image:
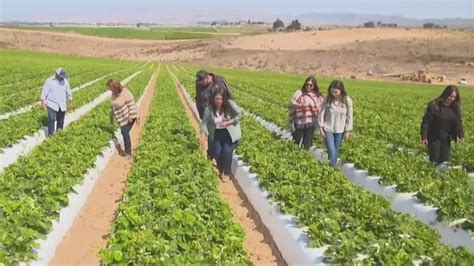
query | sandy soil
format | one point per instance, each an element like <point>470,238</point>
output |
<point>334,38</point>
<point>258,241</point>
<point>363,53</point>
<point>76,44</point>
<point>342,52</point>
<point>91,228</point>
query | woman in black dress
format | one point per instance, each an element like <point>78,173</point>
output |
<point>441,124</point>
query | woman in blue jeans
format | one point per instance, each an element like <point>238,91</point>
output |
<point>335,120</point>
<point>221,124</point>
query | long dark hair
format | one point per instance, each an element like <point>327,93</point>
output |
<point>447,92</point>
<point>456,104</point>
<point>337,84</point>
<point>226,109</point>
<point>315,88</point>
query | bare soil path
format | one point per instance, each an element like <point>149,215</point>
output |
<point>258,241</point>
<point>91,228</point>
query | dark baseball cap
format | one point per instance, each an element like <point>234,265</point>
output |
<point>61,72</point>
<point>202,74</point>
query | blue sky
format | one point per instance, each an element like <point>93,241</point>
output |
<point>124,11</point>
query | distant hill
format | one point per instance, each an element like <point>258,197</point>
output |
<point>355,19</point>
<point>313,18</point>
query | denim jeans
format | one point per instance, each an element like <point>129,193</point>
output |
<point>223,149</point>
<point>55,116</point>
<point>126,137</point>
<point>210,149</point>
<point>333,143</point>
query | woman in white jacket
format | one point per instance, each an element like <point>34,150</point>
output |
<point>336,119</point>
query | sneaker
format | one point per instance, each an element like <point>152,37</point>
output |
<point>225,178</point>
<point>442,167</point>
<point>128,157</point>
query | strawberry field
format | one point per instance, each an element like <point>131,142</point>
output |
<point>36,186</point>
<point>386,138</point>
<point>171,210</point>
<point>385,142</point>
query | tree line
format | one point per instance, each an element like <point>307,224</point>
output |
<point>279,25</point>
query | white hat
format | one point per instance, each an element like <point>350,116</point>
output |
<point>61,72</point>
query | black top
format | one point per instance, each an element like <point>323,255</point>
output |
<point>203,93</point>
<point>442,122</point>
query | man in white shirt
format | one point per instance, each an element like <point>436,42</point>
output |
<point>55,93</point>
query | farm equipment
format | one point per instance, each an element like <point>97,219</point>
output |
<point>423,77</point>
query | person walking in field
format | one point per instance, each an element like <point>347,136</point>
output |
<point>441,124</point>
<point>54,95</point>
<point>336,119</point>
<point>305,107</point>
<point>206,86</point>
<point>125,111</point>
<point>221,124</point>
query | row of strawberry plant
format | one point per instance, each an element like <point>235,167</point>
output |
<point>36,187</point>
<point>19,66</point>
<point>171,212</point>
<point>34,80</point>
<point>337,213</point>
<point>19,91</point>
<point>351,221</point>
<point>17,98</point>
<point>16,127</point>
<point>400,121</point>
<point>187,79</point>
<point>385,111</point>
<point>410,173</point>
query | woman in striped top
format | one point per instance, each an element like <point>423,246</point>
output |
<point>124,110</point>
<point>304,111</point>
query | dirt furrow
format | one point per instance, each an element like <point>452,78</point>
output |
<point>258,241</point>
<point>91,228</point>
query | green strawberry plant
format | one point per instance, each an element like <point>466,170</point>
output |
<point>171,211</point>
<point>23,74</point>
<point>335,212</point>
<point>376,126</point>
<point>36,187</point>
<point>18,126</point>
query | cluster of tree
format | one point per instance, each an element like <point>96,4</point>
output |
<point>430,25</point>
<point>142,25</point>
<point>380,24</point>
<point>369,24</point>
<point>255,22</point>
<point>225,23</point>
<point>279,25</point>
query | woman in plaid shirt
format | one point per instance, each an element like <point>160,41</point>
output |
<point>305,107</point>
